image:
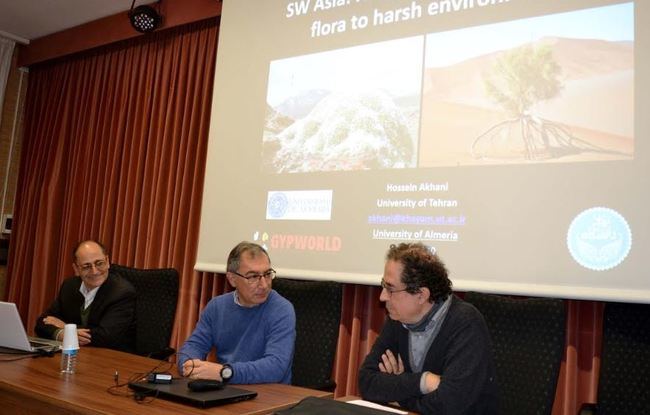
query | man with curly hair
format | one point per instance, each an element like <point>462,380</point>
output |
<point>434,353</point>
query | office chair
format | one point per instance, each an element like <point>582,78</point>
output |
<point>624,382</point>
<point>157,295</point>
<point>318,315</point>
<point>528,344</point>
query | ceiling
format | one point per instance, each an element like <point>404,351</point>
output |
<point>25,20</point>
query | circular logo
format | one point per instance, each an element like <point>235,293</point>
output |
<point>277,205</point>
<point>599,238</point>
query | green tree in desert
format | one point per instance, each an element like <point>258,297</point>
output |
<point>524,77</point>
<point>518,80</point>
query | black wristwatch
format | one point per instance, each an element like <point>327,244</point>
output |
<point>226,373</point>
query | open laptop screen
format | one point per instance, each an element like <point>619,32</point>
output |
<point>14,336</point>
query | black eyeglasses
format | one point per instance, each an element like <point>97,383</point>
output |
<point>390,289</point>
<point>255,278</point>
<point>100,265</point>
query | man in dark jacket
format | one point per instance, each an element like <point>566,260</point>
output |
<point>434,354</point>
<point>100,303</point>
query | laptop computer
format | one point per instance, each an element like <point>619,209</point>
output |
<point>14,336</point>
<point>178,391</point>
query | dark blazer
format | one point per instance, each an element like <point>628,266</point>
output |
<point>112,313</point>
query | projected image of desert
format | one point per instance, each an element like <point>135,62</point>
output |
<point>556,88</point>
<point>351,109</point>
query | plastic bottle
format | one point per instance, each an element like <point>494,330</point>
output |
<point>69,360</point>
<point>70,349</point>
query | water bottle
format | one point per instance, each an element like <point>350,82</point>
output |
<point>69,360</point>
<point>70,349</point>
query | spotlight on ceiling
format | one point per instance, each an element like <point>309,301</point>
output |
<point>144,18</point>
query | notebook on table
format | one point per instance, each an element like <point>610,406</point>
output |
<point>14,336</point>
<point>179,392</point>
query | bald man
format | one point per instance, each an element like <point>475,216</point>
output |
<point>99,302</point>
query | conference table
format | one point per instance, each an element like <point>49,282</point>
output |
<point>36,386</point>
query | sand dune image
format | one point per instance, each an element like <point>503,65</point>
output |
<point>590,119</point>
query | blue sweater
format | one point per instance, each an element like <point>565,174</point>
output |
<point>257,342</point>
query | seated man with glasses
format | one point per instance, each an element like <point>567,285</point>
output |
<point>100,303</point>
<point>434,354</point>
<point>252,328</point>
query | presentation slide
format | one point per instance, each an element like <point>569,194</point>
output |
<point>509,136</point>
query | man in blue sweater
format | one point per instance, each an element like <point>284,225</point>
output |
<point>252,328</point>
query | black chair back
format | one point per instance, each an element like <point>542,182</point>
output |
<point>528,338</point>
<point>157,295</point>
<point>318,315</point>
<point>624,384</point>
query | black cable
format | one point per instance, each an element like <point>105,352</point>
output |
<point>190,359</point>
<point>139,396</point>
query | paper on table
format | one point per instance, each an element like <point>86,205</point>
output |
<point>361,402</point>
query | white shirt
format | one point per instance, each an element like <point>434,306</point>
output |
<point>89,295</point>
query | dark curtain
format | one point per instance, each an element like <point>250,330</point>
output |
<point>114,149</point>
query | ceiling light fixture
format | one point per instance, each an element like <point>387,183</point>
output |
<point>144,18</point>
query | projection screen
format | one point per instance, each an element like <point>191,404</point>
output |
<point>510,136</point>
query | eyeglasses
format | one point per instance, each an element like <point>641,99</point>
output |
<point>255,278</point>
<point>99,265</point>
<point>390,289</point>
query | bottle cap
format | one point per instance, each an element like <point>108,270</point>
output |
<point>70,339</point>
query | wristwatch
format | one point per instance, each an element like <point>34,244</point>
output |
<point>226,373</point>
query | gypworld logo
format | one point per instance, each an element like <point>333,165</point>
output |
<point>261,238</point>
<point>298,242</point>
